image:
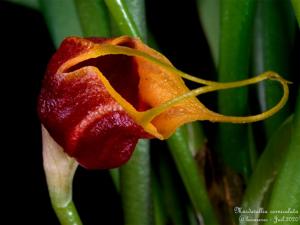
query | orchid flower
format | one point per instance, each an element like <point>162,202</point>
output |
<point>100,96</point>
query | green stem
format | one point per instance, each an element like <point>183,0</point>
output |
<point>135,175</point>
<point>135,187</point>
<point>115,175</point>
<point>122,17</point>
<point>67,215</point>
<point>193,181</point>
<point>175,206</point>
<point>59,170</point>
<point>159,209</point>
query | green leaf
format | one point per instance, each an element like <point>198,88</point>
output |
<point>33,4</point>
<point>123,18</point>
<point>260,184</point>
<point>209,13</point>
<point>234,141</point>
<point>94,18</point>
<point>61,18</point>
<point>286,191</point>
<point>273,32</point>
<point>296,5</point>
<point>137,11</point>
<point>194,135</point>
<point>75,18</point>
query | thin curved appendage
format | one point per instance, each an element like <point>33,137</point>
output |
<point>107,49</point>
<point>209,86</point>
<point>152,113</point>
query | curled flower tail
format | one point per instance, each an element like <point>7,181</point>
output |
<point>99,96</point>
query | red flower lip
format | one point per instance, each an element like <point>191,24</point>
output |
<point>99,96</point>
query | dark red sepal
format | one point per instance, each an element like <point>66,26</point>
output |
<point>79,113</point>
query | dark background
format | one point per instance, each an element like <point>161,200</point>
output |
<point>25,50</point>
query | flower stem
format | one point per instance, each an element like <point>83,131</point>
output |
<point>135,186</point>
<point>174,202</point>
<point>135,176</point>
<point>192,180</point>
<point>159,208</point>
<point>59,170</point>
<point>67,215</point>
